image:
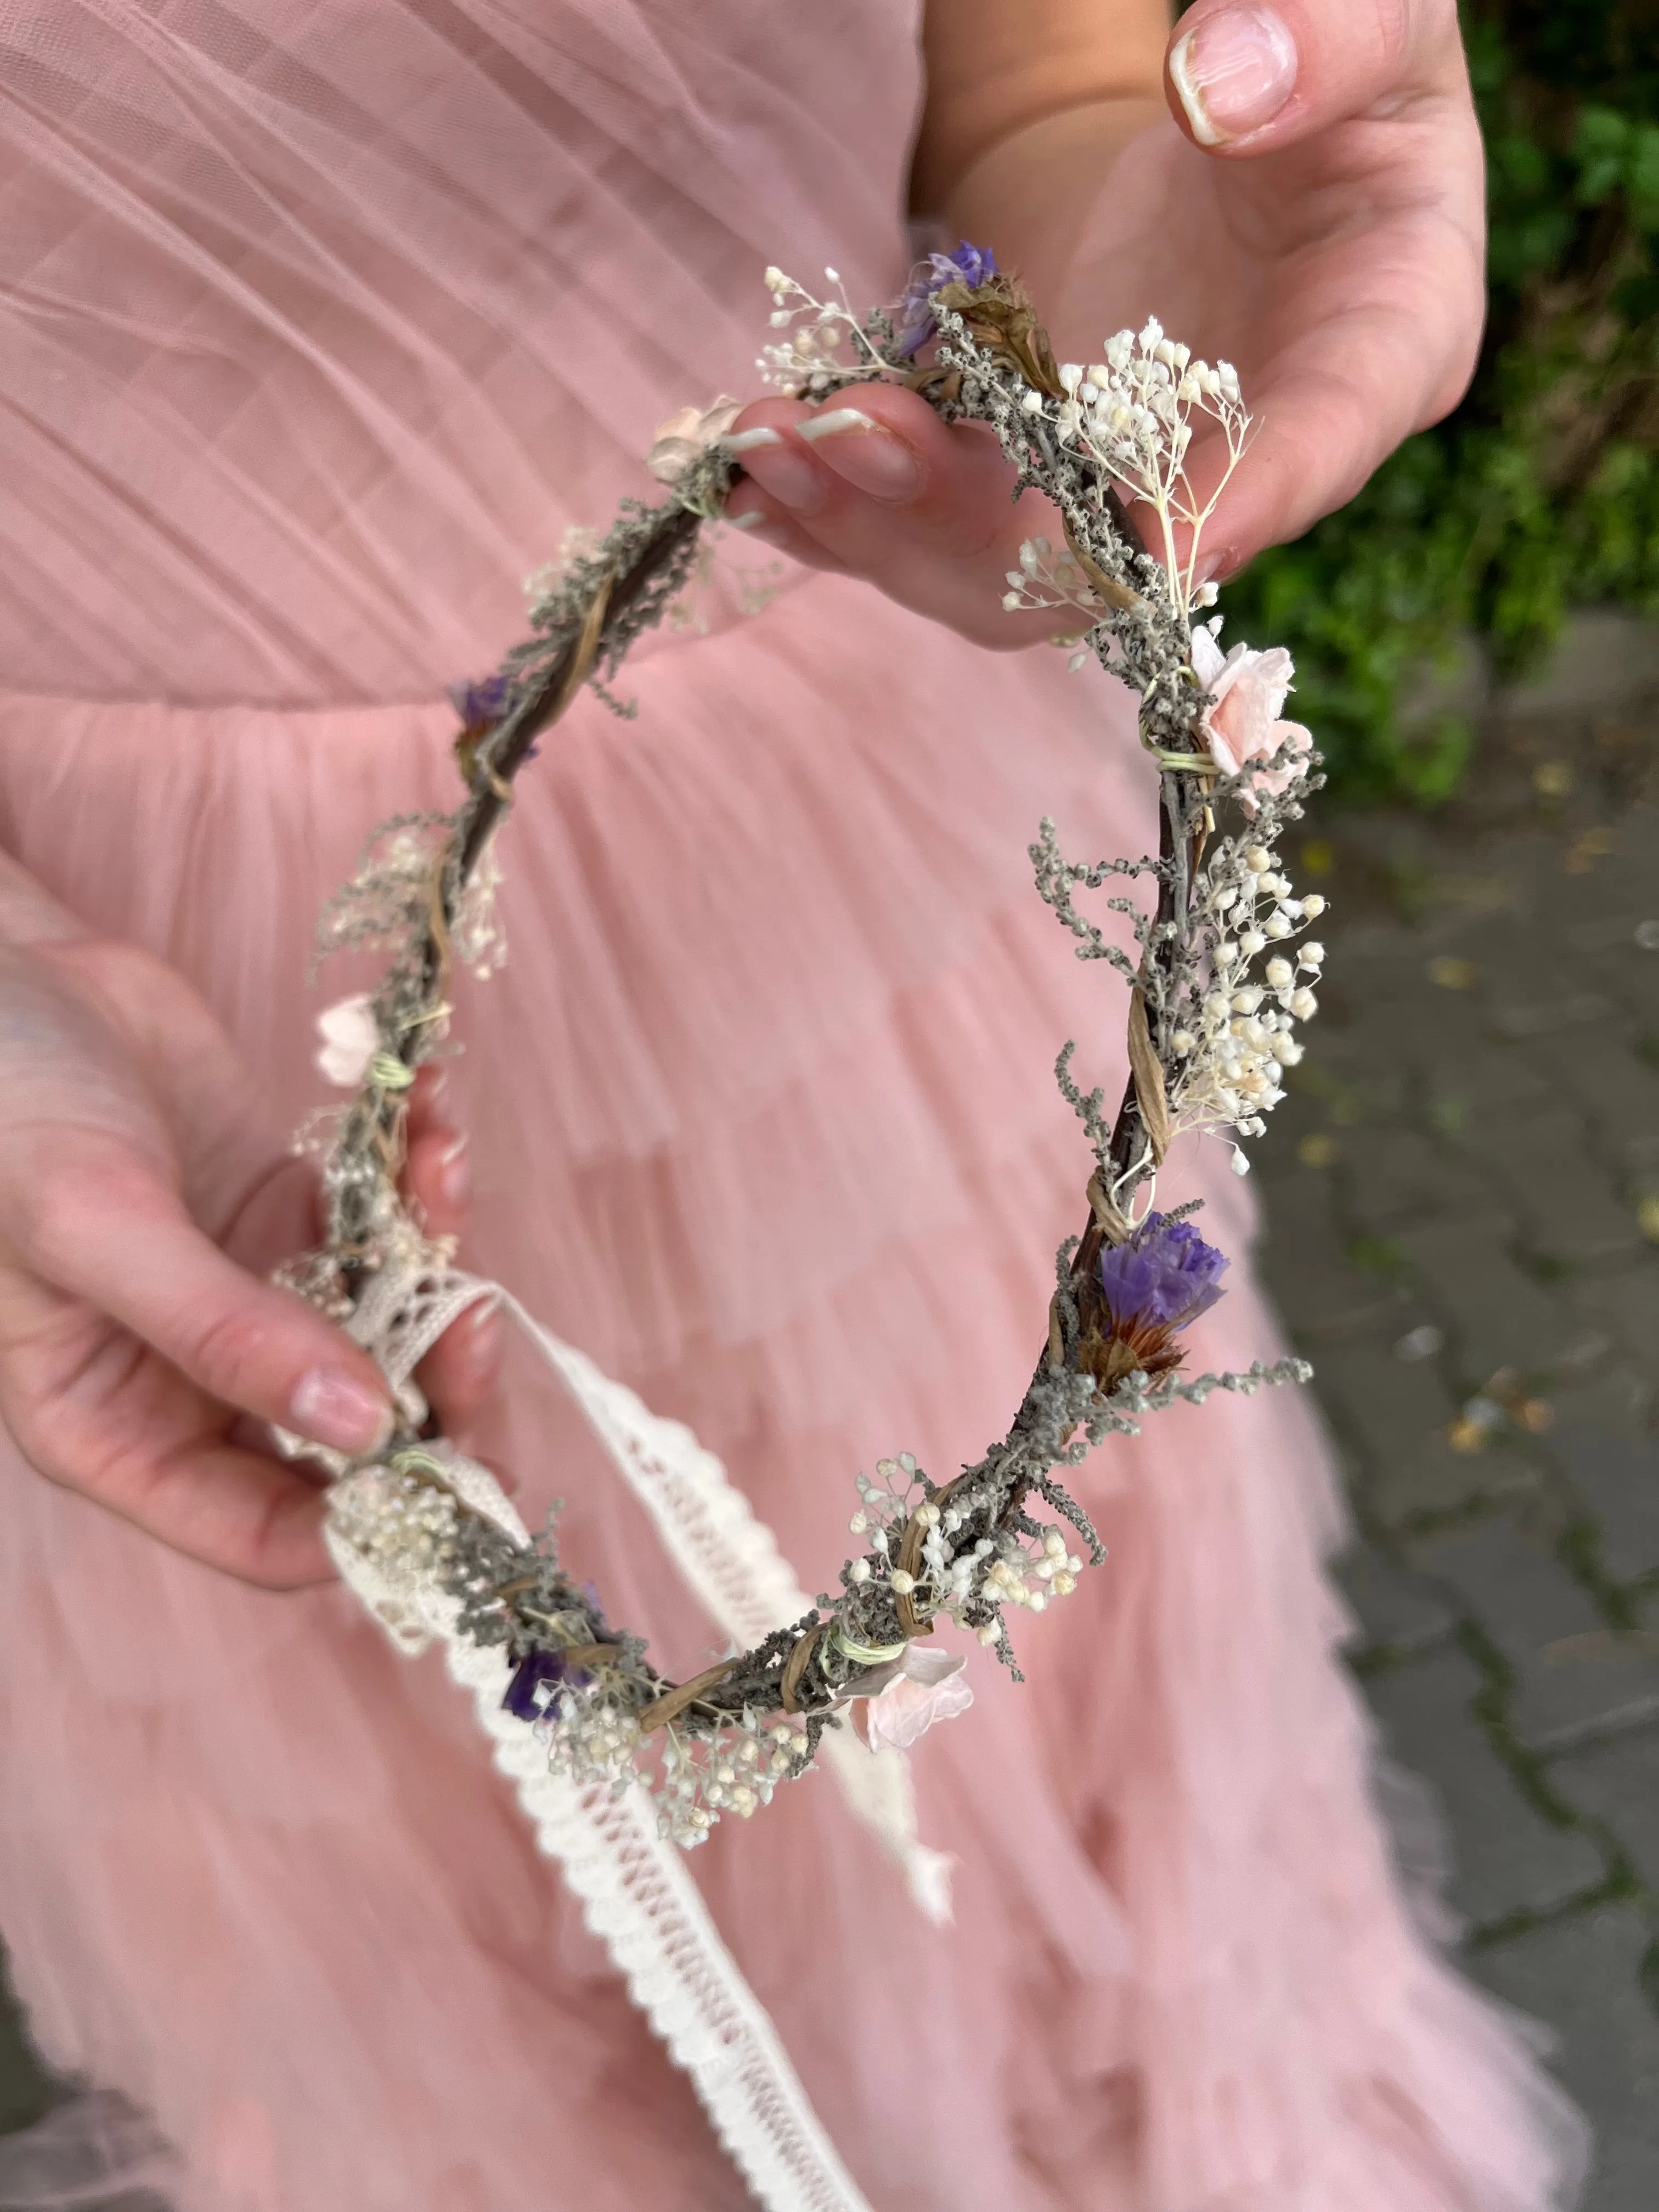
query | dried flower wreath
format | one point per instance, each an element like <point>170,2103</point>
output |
<point>1216,985</point>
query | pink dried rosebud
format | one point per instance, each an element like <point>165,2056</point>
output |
<point>688,432</point>
<point>351,1037</point>
<point>1243,724</point>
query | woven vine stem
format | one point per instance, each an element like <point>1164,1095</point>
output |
<point>494,765</point>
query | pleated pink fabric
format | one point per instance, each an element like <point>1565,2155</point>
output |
<point>322,320</point>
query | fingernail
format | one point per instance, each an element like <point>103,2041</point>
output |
<point>334,1408</point>
<point>481,1349</point>
<point>753,520</point>
<point>785,472</point>
<point>864,453</point>
<point>747,440</point>
<point>1233,73</point>
<point>764,530</point>
<point>455,1172</point>
<point>833,421</point>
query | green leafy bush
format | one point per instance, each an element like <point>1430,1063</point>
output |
<point>1542,491</point>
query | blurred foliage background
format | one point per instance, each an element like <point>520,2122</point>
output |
<point>1541,492</point>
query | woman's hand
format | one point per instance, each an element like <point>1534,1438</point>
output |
<point>143,1198</point>
<point>1309,206</point>
<point>1320,220</point>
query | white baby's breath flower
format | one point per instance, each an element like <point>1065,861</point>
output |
<point>687,432</point>
<point>1045,578</point>
<point>925,1690</point>
<point>1134,414</point>
<point>350,1038</point>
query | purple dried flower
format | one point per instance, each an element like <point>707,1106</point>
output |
<point>532,1670</point>
<point>482,703</point>
<point>1143,1294</point>
<point>1164,1278</point>
<point>972,265</point>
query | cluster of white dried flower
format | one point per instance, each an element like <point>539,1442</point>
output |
<point>398,1522</point>
<point>593,1738</point>
<point>735,1772</point>
<point>1238,1035</point>
<point>592,1735</point>
<point>1133,413</point>
<point>1045,581</point>
<point>883,1510</point>
<point>1008,1568</point>
<point>808,360</point>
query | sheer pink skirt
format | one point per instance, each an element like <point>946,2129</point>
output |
<point>762,1118</point>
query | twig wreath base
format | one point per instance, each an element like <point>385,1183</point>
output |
<point>1221,974</point>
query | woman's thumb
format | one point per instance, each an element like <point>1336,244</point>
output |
<point>1246,77</point>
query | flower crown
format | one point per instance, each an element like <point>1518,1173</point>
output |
<point>1221,974</point>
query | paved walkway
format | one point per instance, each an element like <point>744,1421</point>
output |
<point>1462,1199</point>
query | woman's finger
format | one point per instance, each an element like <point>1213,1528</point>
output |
<point>248,1516</point>
<point>460,1373</point>
<point>280,1214</point>
<point>1319,440</point>
<point>463,1367</point>
<point>438,1176</point>
<point>101,1224</point>
<point>1245,77</point>
<point>1387,343</point>
<point>97,1411</point>
<point>877,485</point>
<point>429,1102</point>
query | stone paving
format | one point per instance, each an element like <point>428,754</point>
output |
<point>1462,1229</point>
<point>1463,1207</point>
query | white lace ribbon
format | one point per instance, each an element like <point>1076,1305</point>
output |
<point>730,1559</point>
<point>635,1890</point>
<point>727,1556</point>
<point>636,1894</point>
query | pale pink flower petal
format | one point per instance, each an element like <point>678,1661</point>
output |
<point>1244,725</point>
<point>687,432</point>
<point>350,1040</point>
<point>924,1691</point>
<point>1208,660</point>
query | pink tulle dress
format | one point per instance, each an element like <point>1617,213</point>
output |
<point>322,323</point>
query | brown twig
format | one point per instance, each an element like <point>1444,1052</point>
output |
<point>674,1702</point>
<point>494,763</point>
